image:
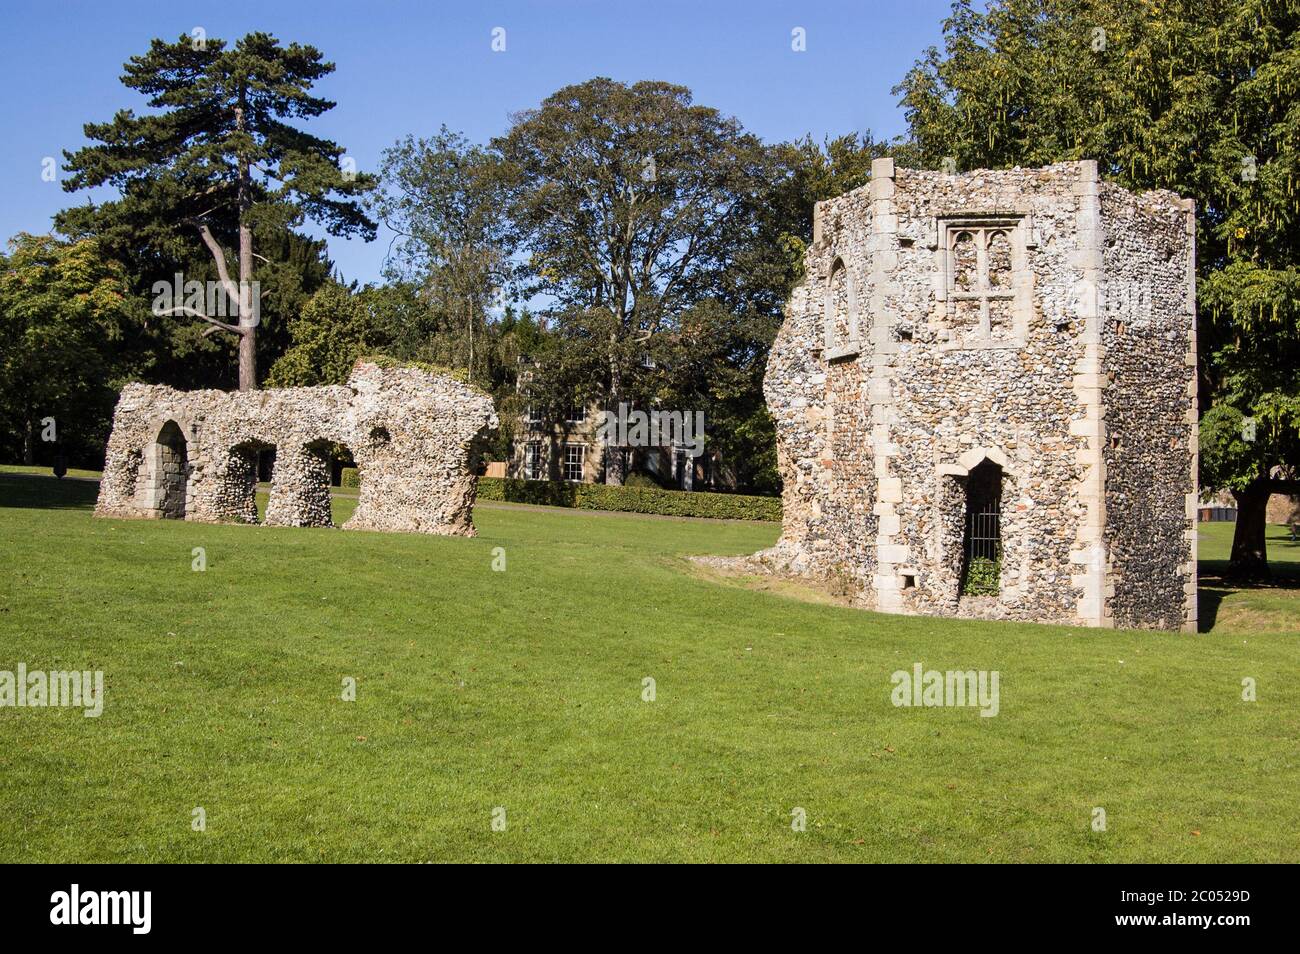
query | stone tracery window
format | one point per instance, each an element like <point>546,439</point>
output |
<point>984,261</point>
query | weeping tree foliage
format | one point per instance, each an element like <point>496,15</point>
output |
<point>218,156</point>
<point>1201,97</point>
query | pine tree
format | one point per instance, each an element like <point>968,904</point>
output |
<point>218,154</point>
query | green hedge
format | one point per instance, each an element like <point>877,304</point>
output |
<point>638,479</point>
<point>673,503</point>
<point>351,477</point>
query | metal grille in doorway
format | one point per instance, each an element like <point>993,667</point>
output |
<point>984,532</point>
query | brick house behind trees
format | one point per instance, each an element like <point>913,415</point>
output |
<point>570,449</point>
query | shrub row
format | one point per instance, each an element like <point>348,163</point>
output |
<point>673,503</point>
<point>351,477</point>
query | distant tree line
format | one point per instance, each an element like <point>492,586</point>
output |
<point>620,242</point>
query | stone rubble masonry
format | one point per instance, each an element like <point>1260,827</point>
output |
<point>1079,383</point>
<point>193,455</point>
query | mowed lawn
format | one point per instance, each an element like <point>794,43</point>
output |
<point>522,690</point>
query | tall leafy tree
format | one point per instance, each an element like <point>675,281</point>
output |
<point>443,199</point>
<point>628,201</point>
<point>219,155</point>
<point>1196,96</point>
<point>63,309</point>
<point>334,329</point>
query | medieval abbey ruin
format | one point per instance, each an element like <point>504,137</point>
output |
<point>985,399</point>
<point>194,455</point>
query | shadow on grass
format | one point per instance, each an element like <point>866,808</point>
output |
<point>31,492</point>
<point>1215,584</point>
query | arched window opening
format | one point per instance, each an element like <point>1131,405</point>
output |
<point>982,539</point>
<point>839,316</point>
<point>965,258</point>
<point>838,290</point>
<point>249,463</point>
<point>999,260</point>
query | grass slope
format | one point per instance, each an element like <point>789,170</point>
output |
<point>523,689</point>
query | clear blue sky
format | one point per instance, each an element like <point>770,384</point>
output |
<point>407,67</point>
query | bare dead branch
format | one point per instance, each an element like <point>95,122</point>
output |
<point>218,256</point>
<point>195,313</point>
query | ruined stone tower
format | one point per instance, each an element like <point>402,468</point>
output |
<point>985,398</point>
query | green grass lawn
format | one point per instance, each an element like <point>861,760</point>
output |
<point>522,689</point>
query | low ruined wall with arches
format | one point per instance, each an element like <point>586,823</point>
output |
<point>196,455</point>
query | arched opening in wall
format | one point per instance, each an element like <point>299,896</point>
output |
<point>343,467</point>
<point>839,316</point>
<point>249,463</point>
<point>981,570</point>
<point>169,473</point>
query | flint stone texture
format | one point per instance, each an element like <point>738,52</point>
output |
<point>193,454</point>
<point>1039,322</point>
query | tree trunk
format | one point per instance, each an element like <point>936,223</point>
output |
<point>247,321</point>
<point>29,442</point>
<point>615,457</point>
<point>1249,560</point>
<point>615,466</point>
<point>248,360</point>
